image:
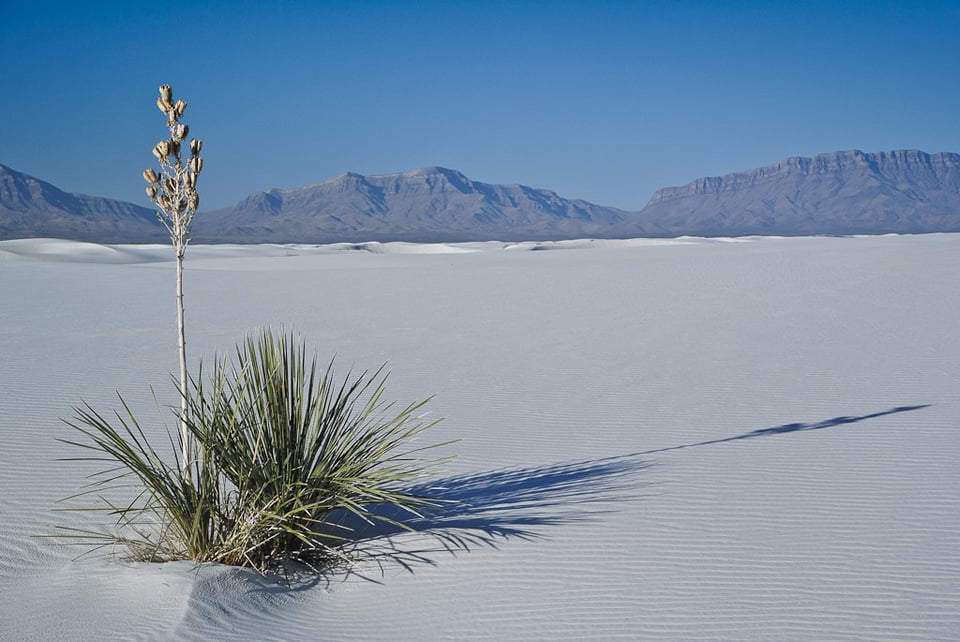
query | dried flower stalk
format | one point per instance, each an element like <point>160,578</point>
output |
<point>174,191</point>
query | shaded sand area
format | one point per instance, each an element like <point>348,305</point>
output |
<point>690,439</point>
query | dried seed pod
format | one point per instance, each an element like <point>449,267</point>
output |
<point>166,93</point>
<point>152,191</point>
<point>195,146</point>
<point>180,132</point>
<point>196,164</point>
<point>160,151</point>
<point>191,180</point>
<point>150,176</point>
<point>178,108</point>
<point>193,201</point>
<point>173,146</point>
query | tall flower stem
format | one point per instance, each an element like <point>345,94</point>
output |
<point>174,191</point>
<point>186,438</point>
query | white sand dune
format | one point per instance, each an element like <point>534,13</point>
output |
<point>696,439</point>
<point>76,251</point>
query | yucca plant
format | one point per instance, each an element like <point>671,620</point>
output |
<point>282,450</point>
<point>298,446</point>
<point>269,450</point>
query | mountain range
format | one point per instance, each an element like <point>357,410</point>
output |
<point>850,192</point>
<point>904,191</point>
<point>429,204</point>
<point>32,208</point>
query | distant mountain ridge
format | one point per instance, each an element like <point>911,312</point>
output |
<point>850,192</point>
<point>428,204</point>
<point>31,208</point>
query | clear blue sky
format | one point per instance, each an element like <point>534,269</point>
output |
<point>605,101</point>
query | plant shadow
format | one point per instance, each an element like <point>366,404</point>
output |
<point>790,428</point>
<point>485,509</point>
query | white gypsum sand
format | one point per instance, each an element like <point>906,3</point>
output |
<point>690,439</point>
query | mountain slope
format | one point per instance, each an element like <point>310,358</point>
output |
<point>851,192</point>
<point>429,204</point>
<point>31,208</point>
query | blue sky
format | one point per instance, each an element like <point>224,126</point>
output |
<point>600,100</point>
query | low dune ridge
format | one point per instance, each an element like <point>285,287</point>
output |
<point>743,438</point>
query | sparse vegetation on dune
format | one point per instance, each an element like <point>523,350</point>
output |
<point>269,448</point>
<point>281,446</point>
